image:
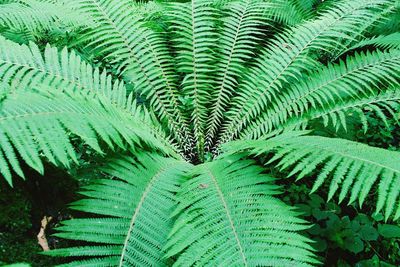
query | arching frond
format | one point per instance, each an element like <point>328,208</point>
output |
<point>193,25</point>
<point>383,41</point>
<point>290,12</point>
<point>24,66</point>
<point>352,168</point>
<point>36,16</point>
<point>237,39</point>
<point>132,213</point>
<point>228,216</point>
<point>140,54</point>
<point>382,104</point>
<point>360,75</point>
<point>39,123</point>
<point>288,57</point>
<point>364,30</point>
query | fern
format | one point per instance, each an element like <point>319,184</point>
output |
<point>36,16</point>
<point>383,41</point>
<point>181,80</point>
<point>358,76</point>
<point>291,12</point>
<point>133,213</point>
<point>194,26</point>
<point>39,122</point>
<point>288,57</point>
<point>68,74</point>
<point>238,38</point>
<point>335,114</point>
<point>351,166</point>
<point>140,55</point>
<point>211,227</point>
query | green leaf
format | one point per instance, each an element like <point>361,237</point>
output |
<point>389,230</point>
<point>369,233</point>
<point>355,245</point>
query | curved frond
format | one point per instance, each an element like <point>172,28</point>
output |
<point>141,55</point>
<point>290,12</point>
<point>237,41</point>
<point>288,56</point>
<point>382,41</point>
<point>132,213</point>
<point>352,168</point>
<point>228,216</point>
<point>361,75</point>
<point>39,123</point>
<point>193,25</point>
<point>24,66</point>
<point>36,16</point>
<point>381,104</point>
<point>374,19</point>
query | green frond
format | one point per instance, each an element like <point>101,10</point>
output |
<point>390,24</point>
<point>36,124</point>
<point>288,56</point>
<point>382,41</point>
<point>354,169</point>
<point>195,36</point>
<point>141,55</point>
<point>383,104</point>
<point>237,42</point>
<point>364,30</point>
<point>24,66</point>
<point>363,74</point>
<point>228,215</point>
<point>37,16</point>
<point>290,12</point>
<point>132,211</point>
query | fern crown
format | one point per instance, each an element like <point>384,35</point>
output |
<point>181,102</point>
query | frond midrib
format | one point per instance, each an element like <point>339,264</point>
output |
<point>136,213</point>
<point>229,217</point>
<point>218,104</point>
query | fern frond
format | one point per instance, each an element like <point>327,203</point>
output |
<point>352,168</point>
<point>288,57</point>
<point>132,213</point>
<point>290,12</point>
<point>193,25</point>
<point>228,216</point>
<point>39,123</point>
<point>237,41</point>
<point>365,29</point>
<point>383,41</point>
<point>381,104</point>
<point>358,76</point>
<point>24,66</point>
<point>36,16</point>
<point>140,54</point>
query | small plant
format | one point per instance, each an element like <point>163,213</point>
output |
<point>171,107</point>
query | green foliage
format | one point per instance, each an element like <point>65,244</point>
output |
<point>345,235</point>
<point>353,167</point>
<point>182,80</point>
<point>129,230</point>
<point>37,16</point>
<point>213,203</point>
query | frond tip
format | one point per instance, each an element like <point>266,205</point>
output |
<point>353,168</point>
<point>228,216</point>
